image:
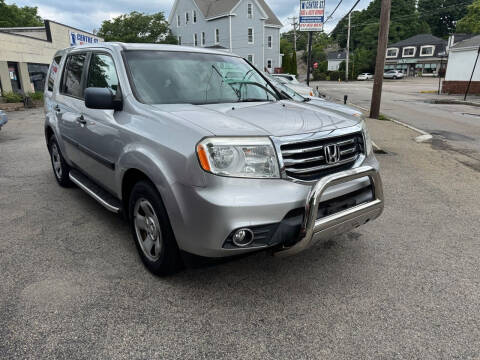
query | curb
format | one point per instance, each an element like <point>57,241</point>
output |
<point>454,102</point>
<point>425,136</point>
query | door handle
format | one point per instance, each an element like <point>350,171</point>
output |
<point>81,120</point>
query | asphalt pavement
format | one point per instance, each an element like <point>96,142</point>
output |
<point>455,127</point>
<point>406,286</point>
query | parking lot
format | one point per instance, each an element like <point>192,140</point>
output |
<point>405,286</point>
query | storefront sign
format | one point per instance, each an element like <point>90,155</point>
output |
<point>81,39</point>
<point>312,15</point>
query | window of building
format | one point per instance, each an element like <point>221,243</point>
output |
<point>269,42</point>
<point>194,17</point>
<point>250,58</point>
<point>102,72</point>
<point>187,18</point>
<point>427,50</point>
<point>178,21</point>
<point>250,36</point>
<point>195,39</point>
<point>179,40</point>
<point>217,36</point>
<point>55,68</point>
<point>38,75</point>
<point>250,10</point>
<point>72,78</point>
<point>392,53</point>
<point>269,64</point>
<point>408,51</point>
<point>203,39</point>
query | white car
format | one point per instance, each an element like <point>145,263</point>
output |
<point>393,74</point>
<point>365,76</point>
<point>292,82</point>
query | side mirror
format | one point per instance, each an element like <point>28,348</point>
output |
<point>103,99</point>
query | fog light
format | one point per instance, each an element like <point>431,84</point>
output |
<point>243,237</point>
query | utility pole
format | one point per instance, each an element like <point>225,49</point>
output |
<point>294,24</point>
<point>348,44</point>
<point>381,53</point>
<point>309,59</point>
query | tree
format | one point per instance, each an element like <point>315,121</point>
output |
<point>470,24</point>
<point>137,27</point>
<point>442,15</point>
<point>13,16</point>
<point>286,65</point>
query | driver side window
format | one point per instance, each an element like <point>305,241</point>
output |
<point>102,73</point>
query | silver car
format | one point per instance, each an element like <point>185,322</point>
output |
<point>203,155</point>
<point>393,74</point>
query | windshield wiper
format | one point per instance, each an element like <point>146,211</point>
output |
<point>306,99</point>
<point>255,100</point>
<point>252,83</point>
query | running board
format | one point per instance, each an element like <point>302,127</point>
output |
<point>103,197</point>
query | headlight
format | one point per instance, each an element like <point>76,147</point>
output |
<point>368,140</point>
<point>238,157</point>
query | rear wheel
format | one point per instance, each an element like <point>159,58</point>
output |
<point>394,78</point>
<point>59,165</point>
<point>152,231</point>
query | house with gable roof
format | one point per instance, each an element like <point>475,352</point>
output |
<point>248,28</point>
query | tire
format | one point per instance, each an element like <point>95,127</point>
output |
<point>151,230</point>
<point>59,165</point>
<point>394,78</point>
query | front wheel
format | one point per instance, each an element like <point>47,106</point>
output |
<point>152,231</point>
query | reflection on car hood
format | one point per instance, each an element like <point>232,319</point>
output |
<point>300,89</point>
<point>344,109</point>
<point>266,118</point>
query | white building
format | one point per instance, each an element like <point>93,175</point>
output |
<point>248,28</point>
<point>335,58</point>
<point>461,60</point>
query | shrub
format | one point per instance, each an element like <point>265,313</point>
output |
<point>11,97</point>
<point>37,95</point>
<point>319,76</point>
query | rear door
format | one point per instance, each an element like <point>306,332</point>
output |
<point>70,106</point>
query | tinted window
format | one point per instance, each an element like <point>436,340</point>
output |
<point>102,72</point>
<point>73,75</point>
<point>54,70</point>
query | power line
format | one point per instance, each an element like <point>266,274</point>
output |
<point>333,12</point>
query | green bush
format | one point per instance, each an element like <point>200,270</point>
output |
<point>11,97</point>
<point>37,95</point>
<point>319,76</point>
<point>335,75</point>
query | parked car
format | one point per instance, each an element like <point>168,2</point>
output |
<point>290,78</point>
<point>294,84</point>
<point>226,167</point>
<point>313,100</point>
<point>365,76</point>
<point>3,118</point>
<point>393,74</point>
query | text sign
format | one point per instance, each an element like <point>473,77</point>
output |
<point>82,39</point>
<point>312,15</point>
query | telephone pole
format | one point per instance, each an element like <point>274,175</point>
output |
<point>294,24</point>
<point>381,53</point>
<point>348,38</point>
<point>348,44</point>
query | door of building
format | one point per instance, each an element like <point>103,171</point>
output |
<point>14,78</point>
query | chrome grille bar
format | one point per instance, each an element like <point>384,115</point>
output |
<point>301,151</point>
<point>289,162</point>
<point>321,167</point>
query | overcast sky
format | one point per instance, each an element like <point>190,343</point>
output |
<point>89,14</point>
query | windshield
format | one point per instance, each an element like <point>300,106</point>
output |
<point>161,77</point>
<point>285,89</point>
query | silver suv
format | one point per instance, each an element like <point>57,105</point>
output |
<point>203,155</point>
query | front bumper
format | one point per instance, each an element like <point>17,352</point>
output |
<point>315,229</point>
<point>203,218</point>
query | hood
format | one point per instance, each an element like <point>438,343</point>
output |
<point>324,104</point>
<point>301,89</point>
<point>279,118</point>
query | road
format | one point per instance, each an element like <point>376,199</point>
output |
<point>455,127</point>
<point>405,286</point>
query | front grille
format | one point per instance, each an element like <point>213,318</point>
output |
<point>306,160</point>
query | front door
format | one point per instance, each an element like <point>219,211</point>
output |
<point>101,134</point>
<point>14,78</point>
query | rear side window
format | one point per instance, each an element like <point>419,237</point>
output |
<point>73,75</point>
<point>102,72</point>
<point>54,70</point>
